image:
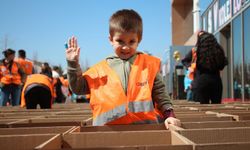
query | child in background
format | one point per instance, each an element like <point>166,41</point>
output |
<point>125,88</point>
<point>187,85</point>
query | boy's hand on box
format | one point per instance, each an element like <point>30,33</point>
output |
<point>72,49</point>
<point>172,120</point>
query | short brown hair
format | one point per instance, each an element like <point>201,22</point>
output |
<point>126,20</point>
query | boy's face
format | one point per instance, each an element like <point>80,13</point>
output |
<point>124,44</point>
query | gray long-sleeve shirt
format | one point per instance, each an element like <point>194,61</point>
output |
<point>79,85</point>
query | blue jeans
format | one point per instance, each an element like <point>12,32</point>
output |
<point>189,95</point>
<point>11,93</point>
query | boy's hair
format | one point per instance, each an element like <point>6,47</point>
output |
<point>126,20</point>
<point>22,53</point>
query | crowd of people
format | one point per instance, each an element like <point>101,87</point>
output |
<point>21,84</point>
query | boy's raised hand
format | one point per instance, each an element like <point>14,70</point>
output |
<point>72,50</point>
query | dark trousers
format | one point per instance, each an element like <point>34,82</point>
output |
<point>207,87</point>
<point>60,98</point>
<point>38,95</point>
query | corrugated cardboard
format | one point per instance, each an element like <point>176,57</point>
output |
<point>223,146</point>
<point>35,130</point>
<point>214,139</point>
<point>130,138</point>
<point>49,120</point>
<point>46,124</point>
<point>215,124</point>
<point>23,142</point>
<point>205,118</point>
<point>54,143</point>
<point>107,128</point>
<point>150,140</point>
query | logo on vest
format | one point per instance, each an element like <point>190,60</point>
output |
<point>142,83</point>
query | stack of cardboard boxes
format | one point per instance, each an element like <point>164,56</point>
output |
<point>68,126</point>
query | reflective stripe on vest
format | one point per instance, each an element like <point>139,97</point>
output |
<point>108,101</point>
<point>141,106</point>
<point>134,107</point>
<point>110,115</point>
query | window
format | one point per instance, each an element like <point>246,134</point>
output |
<point>246,35</point>
<point>237,58</point>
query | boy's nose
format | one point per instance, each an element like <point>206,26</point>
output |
<point>125,47</point>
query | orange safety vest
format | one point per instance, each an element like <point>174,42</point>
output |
<point>192,67</point>
<point>26,65</point>
<point>108,101</point>
<point>87,96</point>
<point>64,81</point>
<point>9,77</point>
<point>37,79</point>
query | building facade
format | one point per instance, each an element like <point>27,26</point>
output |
<point>229,21</point>
<point>182,19</point>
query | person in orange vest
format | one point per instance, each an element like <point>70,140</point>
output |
<point>26,64</point>
<point>125,88</point>
<point>12,78</point>
<point>37,90</point>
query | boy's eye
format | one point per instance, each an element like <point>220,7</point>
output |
<point>119,41</point>
<point>132,42</point>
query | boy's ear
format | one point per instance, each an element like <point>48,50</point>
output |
<point>111,39</point>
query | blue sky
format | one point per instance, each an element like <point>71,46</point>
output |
<point>41,27</point>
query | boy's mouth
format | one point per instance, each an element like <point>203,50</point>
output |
<point>123,53</point>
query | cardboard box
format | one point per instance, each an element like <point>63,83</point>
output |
<point>240,115</point>
<point>68,116</point>
<point>139,127</point>
<point>215,124</point>
<point>23,142</point>
<point>236,115</point>
<point>204,118</point>
<point>192,113</point>
<point>220,138</point>
<point>6,121</point>
<point>150,140</point>
<point>45,124</point>
<point>198,114</point>
<point>35,130</point>
<point>216,108</point>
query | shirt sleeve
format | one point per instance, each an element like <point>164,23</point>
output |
<point>160,96</point>
<point>77,83</point>
<point>186,61</point>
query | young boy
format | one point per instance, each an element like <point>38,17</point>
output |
<point>125,88</point>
